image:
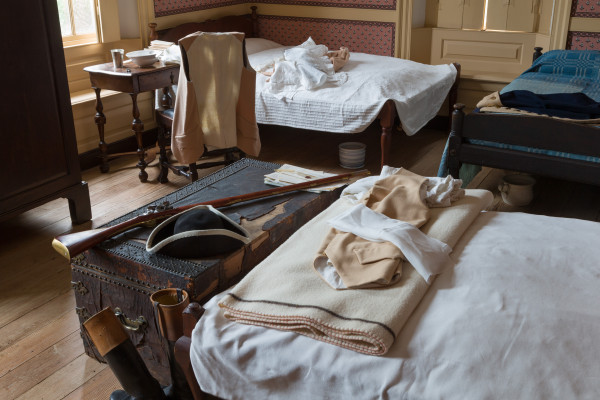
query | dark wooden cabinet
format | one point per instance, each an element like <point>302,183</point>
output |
<point>37,135</point>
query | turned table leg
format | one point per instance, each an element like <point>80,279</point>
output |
<point>138,128</point>
<point>100,120</point>
<point>163,159</point>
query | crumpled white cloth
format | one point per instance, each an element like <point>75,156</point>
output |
<point>171,55</point>
<point>304,67</point>
<point>426,254</point>
<point>441,192</point>
<point>436,192</point>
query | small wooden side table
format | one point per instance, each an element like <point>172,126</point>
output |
<point>133,80</point>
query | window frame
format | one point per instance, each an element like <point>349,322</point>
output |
<point>85,39</point>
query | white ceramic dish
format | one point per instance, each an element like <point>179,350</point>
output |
<point>143,58</point>
<point>352,154</point>
<point>352,166</point>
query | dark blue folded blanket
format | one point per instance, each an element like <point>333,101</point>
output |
<point>564,105</point>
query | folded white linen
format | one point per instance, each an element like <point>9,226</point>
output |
<point>426,254</point>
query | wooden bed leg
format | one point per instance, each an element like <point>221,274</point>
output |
<point>387,116</point>
<point>455,140</point>
<point>453,95</point>
<point>191,316</point>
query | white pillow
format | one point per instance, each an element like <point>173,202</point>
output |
<point>255,45</point>
<point>264,60</point>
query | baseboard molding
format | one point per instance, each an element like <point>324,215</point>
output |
<point>91,159</point>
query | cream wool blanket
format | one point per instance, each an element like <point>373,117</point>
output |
<point>284,292</point>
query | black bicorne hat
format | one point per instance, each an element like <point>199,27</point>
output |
<point>201,231</point>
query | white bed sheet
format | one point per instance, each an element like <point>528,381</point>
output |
<point>418,90</point>
<point>516,318</point>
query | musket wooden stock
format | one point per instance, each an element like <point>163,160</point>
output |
<point>71,244</point>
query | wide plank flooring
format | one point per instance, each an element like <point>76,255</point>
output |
<point>41,352</point>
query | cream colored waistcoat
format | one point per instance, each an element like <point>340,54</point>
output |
<point>215,97</point>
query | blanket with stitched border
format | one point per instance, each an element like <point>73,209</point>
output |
<point>284,291</point>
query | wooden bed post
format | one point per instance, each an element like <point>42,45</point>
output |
<point>254,17</point>
<point>453,94</point>
<point>387,116</point>
<point>537,53</point>
<point>153,35</point>
<point>455,140</point>
<point>191,316</point>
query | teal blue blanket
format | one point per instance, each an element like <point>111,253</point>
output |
<point>561,71</point>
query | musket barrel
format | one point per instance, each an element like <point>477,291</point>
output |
<point>72,244</point>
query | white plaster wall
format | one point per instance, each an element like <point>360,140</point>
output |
<point>128,19</point>
<point>418,17</point>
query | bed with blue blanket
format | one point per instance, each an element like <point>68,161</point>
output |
<point>545,122</point>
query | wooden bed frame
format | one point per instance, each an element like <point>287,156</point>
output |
<point>528,131</point>
<point>248,24</point>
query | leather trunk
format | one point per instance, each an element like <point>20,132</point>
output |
<point>121,274</point>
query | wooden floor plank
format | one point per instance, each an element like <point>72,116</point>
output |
<point>18,301</point>
<point>36,319</point>
<point>65,380</point>
<point>28,348</point>
<point>99,387</point>
<point>29,374</point>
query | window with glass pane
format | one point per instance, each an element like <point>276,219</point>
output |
<point>77,21</point>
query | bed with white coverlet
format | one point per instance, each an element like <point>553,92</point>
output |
<point>352,100</point>
<point>515,317</point>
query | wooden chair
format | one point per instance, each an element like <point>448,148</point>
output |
<point>248,24</point>
<point>164,121</point>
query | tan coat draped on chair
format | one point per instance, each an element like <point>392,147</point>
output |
<point>214,106</point>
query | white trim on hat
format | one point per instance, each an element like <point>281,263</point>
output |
<point>153,248</point>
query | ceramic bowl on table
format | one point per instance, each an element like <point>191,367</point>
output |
<point>143,58</point>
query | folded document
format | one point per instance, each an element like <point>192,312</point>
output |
<point>289,175</point>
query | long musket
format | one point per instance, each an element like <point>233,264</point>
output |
<point>72,244</point>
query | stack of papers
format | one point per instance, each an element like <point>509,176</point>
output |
<point>291,174</point>
<point>159,45</point>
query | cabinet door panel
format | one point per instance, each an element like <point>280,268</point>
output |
<point>521,16</point>
<point>37,125</point>
<point>473,14</point>
<point>450,14</point>
<point>496,14</point>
